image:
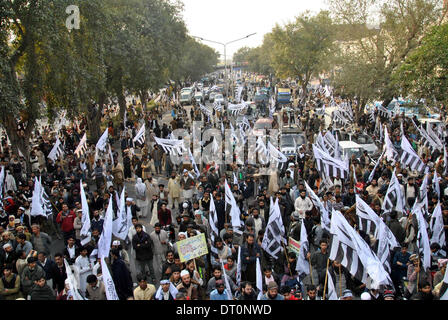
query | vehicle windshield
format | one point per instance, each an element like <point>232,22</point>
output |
<point>287,142</point>
<point>356,151</point>
<point>185,96</point>
<point>219,96</point>
<point>262,125</point>
<point>362,139</point>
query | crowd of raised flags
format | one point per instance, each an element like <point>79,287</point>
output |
<point>360,237</point>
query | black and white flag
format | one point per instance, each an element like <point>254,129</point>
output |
<point>410,158</point>
<point>204,109</point>
<point>303,265</point>
<point>332,145</point>
<point>422,238</point>
<point>140,136</point>
<point>371,223</point>
<point>214,232</point>
<point>217,106</point>
<point>384,112</point>
<point>331,166</point>
<point>274,234</point>
<point>394,198</point>
<point>82,147</point>
<point>325,216</point>
<point>389,151</point>
<point>354,253</point>
<point>171,146</point>
<point>56,151</point>
<point>437,226</point>
<point>372,174</point>
<point>275,155</point>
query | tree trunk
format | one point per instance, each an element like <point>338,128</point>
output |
<point>94,119</point>
<point>387,101</point>
<point>19,142</point>
<point>122,104</point>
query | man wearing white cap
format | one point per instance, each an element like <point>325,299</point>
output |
<point>187,185</point>
<point>192,291</point>
<point>131,206</point>
<point>123,253</point>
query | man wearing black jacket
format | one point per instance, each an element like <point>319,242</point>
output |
<point>220,211</point>
<point>143,247</point>
<point>58,273</point>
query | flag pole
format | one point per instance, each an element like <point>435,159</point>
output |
<point>287,259</point>
<point>326,278</point>
<point>418,274</point>
<point>340,282</point>
<point>311,270</point>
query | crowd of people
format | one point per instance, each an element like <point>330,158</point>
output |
<point>169,203</point>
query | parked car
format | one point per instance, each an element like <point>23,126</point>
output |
<point>219,98</point>
<point>199,97</point>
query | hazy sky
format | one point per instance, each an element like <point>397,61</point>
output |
<point>227,20</point>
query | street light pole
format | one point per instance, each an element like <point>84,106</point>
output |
<point>225,51</point>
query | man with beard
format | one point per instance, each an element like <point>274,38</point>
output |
<point>303,204</point>
<point>192,291</point>
<point>220,293</point>
<point>257,221</point>
<point>160,240</point>
<point>250,251</point>
<point>272,293</point>
<point>217,276</point>
<point>247,292</point>
<point>223,252</point>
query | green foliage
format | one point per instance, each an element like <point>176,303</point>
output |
<point>424,73</point>
<point>197,59</point>
<point>375,37</point>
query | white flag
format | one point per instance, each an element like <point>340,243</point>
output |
<point>2,181</point>
<point>259,279</point>
<point>102,142</point>
<point>235,210</point>
<point>303,266</point>
<point>106,236</point>
<point>109,285</point>
<point>437,226</point>
<point>325,216</point>
<point>74,285</point>
<point>123,222</point>
<point>226,280</point>
<point>85,229</point>
<point>36,203</point>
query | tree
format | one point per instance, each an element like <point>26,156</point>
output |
<point>300,49</point>
<point>424,73</point>
<point>378,37</point>
<point>242,55</point>
<point>196,60</point>
<point>25,34</point>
